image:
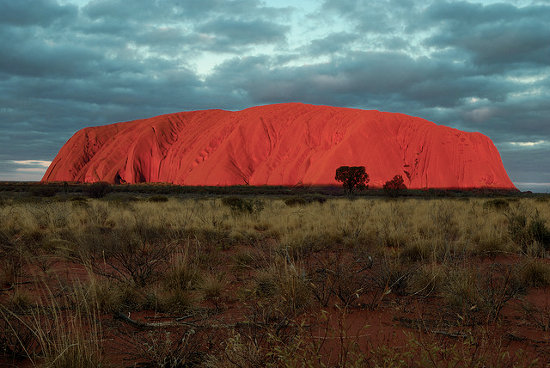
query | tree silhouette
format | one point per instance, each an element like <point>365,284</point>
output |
<point>394,186</point>
<point>352,177</point>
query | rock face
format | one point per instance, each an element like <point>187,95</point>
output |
<point>282,144</point>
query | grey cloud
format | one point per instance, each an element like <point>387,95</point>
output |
<point>37,58</point>
<point>171,10</point>
<point>470,66</point>
<point>435,90</point>
<point>529,160</point>
<point>493,34</point>
<point>468,13</point>
<point>383,16</point>
<point>56,79</point>
<point>210,25</point>
<point>335,42</point>
<point>238,31</point>
<point>34,12</point>
<point>359,77</point>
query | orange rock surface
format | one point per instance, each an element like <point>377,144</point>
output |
<point>282,144</point>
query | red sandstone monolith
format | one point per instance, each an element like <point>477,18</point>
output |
<point>282,144</point>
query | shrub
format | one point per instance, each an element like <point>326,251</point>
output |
<point>183,273</point>
<point>428,280</point>
<point>99,189</point>
<point>282,289</point>
<point>62,335</point>
<point>525,231</point>
<point>352,177</point>
<point>241,205</point>
<point>539,232</point>
<point>316,198</point>
<point>303,200</point>
<point>395,186</point>
<point>535,273</point>
<point>476,294</point>
<point>44,191</point>
<point>132,260</point>
<point>169,349</point>
<point>416,251</point>
<point>158,198</point>
<point>497,286</point>
<point>295,201</point>
<point>212,288</point>
<point>334,275</point>
<point>498,204</point>
<point>15,335</point>
<point>460,291</point>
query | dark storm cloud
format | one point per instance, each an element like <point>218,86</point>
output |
<point>471,66</point>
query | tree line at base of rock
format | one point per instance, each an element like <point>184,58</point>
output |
<point>356,177</point>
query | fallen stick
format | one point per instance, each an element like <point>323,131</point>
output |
<point>138,324</point>
<point>121,316</point>
<point>8,289</point>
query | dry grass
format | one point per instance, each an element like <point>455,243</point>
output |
<point>57,332</point>
<point>446,226</point>
<point>275,263</point>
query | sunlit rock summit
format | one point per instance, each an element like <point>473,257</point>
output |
<point>282,144</point>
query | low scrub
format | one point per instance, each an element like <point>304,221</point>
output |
<point>528,231</point>
<point>535,273</point>
<point>99,189</point>
<point>240,205</point>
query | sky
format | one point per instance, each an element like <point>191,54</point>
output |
<point>472,65</point>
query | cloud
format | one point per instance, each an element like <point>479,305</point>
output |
<point>31,170</point>
<point>528,144</point>
<point>381,16</point>
<point>332,43</point>
<point>40,163</point>
<point>357,79</point>
<point>474,66</point>
<point>34,12</point>
<point>23,170</point>
<point>186,23</point>
<point>492,35</point>
<point>243,32</point>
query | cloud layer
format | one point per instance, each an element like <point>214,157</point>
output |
<point>477,66</point>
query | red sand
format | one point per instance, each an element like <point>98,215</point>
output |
<point>283,144</point>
